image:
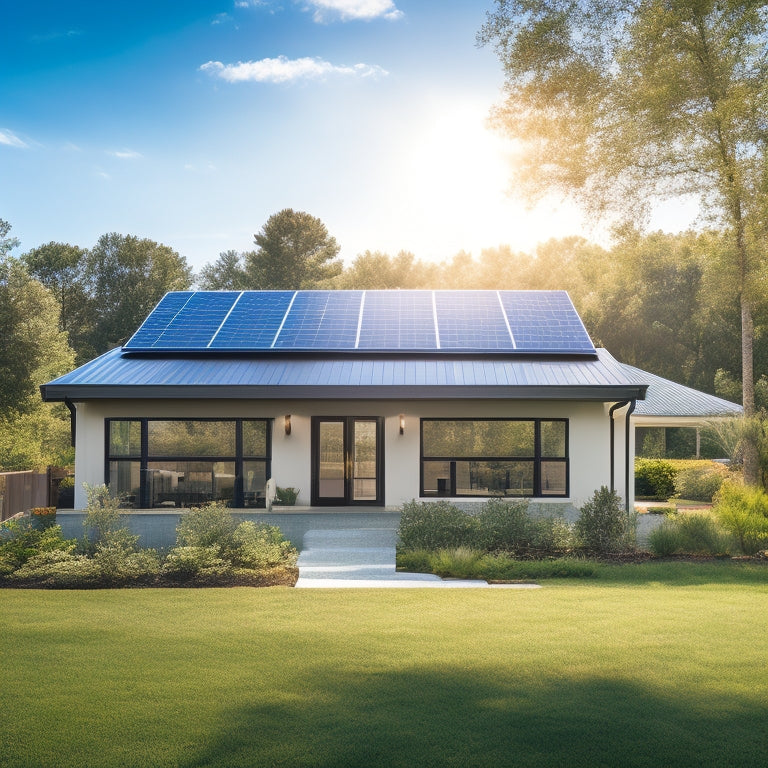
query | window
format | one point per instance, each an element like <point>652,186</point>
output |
<point>181,462</point>
<point>494,457</point>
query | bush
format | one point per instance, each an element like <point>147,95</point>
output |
<point>195,561</point>
<point>504,526</point>
<point>743,512</point>
<point>603,524</point>
<point>211,525</point>
<point>60,569</point>
<point>285,497</point>
<point>259,546</point>
<point>20,540</point>
<point>654,478</point>
<point>102,516</point>
<point>689,533</point>
<point>435,525</point>
<point>700,483</point>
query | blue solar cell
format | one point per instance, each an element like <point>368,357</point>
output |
<point>321,320</point>
<point>545,321</point>
<point>398,320</point>
<point>158,320</point>
<point>254,321</point>
<point>198,321</point>
<point>471,320</point>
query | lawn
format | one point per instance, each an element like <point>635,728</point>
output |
<point>647,665</point>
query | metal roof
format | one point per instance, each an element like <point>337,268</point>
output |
<point>669,399</point>
<point>116,375</point>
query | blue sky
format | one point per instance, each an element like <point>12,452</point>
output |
<point>192,121</point>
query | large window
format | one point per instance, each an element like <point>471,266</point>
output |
<point>181,462</point>
<point>494,457</point>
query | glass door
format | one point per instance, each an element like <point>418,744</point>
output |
<point>346,460</point>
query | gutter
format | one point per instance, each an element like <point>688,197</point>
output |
<point>615,407</point>
<point>72,420</point>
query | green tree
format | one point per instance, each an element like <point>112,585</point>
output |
<point>125,277</point>
<point>374,270</point>
<point>619,104</point>
<point>59,267</point>
<point>294,250</point>
<point>7,243</point>
<point>226,273</point>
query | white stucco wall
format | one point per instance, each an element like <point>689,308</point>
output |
<point>589,445</point>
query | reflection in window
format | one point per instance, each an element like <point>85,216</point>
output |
<point>494,457</point>
<point>180,463</point>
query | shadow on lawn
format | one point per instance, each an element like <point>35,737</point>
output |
<point>454,718</point>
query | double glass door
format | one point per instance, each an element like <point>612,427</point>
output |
<point>346,460</point>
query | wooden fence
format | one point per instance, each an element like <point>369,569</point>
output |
<point>20,491</point>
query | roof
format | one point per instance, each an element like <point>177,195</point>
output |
<point>667,400</point>
<point>117,374</point>
<point>418,322</point>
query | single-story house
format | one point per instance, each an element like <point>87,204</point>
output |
<point>355,398</point>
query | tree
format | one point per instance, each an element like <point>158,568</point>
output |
<point>124,278</point>
<point>7,244</point>
<point>618,104</point>
<point>294,250</point>
<point>226,273</point>
<point>59,267</point>
<point>374,270</point>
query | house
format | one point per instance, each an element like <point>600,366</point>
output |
<point>355,398</point>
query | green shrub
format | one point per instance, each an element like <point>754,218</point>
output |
<point>743,512</point>
<point>551,534</point>
<point>121,562</point>
<point>666,539</point>
<point>435,525</point>
<point>504,526</point>
<point>20,540</point>
<point>196,561</point>
<point>654,478</point>
<point>60,569</point>
<point>603,524</point>
<point>211,525</point>
<point>285,496</point>
<point>259,546</point>
<point>102,516</point>
<point>457,562</point>
<point>689,533</point>
<point>700,483</point>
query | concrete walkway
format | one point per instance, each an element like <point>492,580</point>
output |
<point>348,558</point>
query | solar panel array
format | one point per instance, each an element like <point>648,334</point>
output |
<point>500,322</point>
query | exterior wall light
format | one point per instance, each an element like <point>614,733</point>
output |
<point>402,423</point>
<point>287,423</point>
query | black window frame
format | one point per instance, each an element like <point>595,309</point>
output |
<point>144,459</point>
<point>537,458</point>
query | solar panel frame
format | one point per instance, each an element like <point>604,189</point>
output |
<point>325,320</point>
<point>472,321</point>
<point>253,322</point>
<point>397,320</point>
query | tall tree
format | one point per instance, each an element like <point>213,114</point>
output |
<point>294,250</point>
<point>59,267</point>
<point>125,277</point>
<point>620,103</point>
<point>226,273</point>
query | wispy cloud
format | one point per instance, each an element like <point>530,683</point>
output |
<point>10,139</point>
<point>125,154</point>
<point>58,34</point>
<point>355,10</point>
<point>283,70</point>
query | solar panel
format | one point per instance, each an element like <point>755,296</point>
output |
<point>472,320</point>
<point>158,320</point>
<point>254,321</point>
<point>321,320</point>
<point>545,321</point>
<point>402,320</point>
<point>488,322</point>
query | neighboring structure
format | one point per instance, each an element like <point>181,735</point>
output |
<point>354,398</point>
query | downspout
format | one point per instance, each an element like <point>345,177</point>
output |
<point>614,408</point>
<point>630,410</point>
<point>72,420</point>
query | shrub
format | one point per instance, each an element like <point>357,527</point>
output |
<point>196,561</point>
<point>20,540</point>
<point>551,534</point>
<point>211,525</point>
<point>259,546</point>
<point>654,478</point>
<point>700,483</point>
<point>603,524</point>
<point>120,562</point>
<point>743,512</point>
<point>435,525</point>
<point>689,533</point>
<point>102,516</point>
<point>61,569</point>
<point>285,496</point>
<point>504,526</point>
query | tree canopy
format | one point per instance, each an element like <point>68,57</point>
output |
<point>619,104</point>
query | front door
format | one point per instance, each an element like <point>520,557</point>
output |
<point>346,460</point>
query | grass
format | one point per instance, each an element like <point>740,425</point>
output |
<point>646,665</point>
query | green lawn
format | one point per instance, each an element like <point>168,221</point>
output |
<point>651,665</point>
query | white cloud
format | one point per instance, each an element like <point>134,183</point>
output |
<point>10,139</point>
<point>126,154</point>
<point>283,70</point>
<point>351,10</point>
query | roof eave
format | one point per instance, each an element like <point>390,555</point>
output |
<point>84,392</point>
